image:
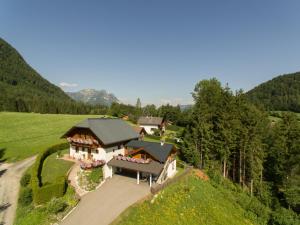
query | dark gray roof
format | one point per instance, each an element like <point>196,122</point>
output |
<point>149,120</point>
<point>158,151</point>
<point>108,130</point>
<point>152,167</point>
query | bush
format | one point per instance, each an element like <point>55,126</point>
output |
<point>156,132</point>
<point>42,194</point>
<point>284,216</point>
<point>56,205</point>
<point>260,210</point>
<point>25,197</point>
<point>96,175</point>
<point>173,128</point>
<point>54,190</point>
<point>25,180</point>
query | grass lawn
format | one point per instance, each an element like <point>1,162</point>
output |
<point>25,134</point>
<point>190,201</point>
<point>54,168</point>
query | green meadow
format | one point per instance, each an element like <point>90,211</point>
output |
<point>192,201</point>
<point>25,134</point>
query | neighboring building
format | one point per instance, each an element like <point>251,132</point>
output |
<point>151,123</point>
<point>99,139</point>
<point>116,143</point>
<point>141,132</point>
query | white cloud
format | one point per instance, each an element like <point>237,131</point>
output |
<point>67,85</point>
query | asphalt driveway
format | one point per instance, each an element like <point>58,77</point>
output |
<point>102,206</point>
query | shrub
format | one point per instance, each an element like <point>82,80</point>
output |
<point>284,216</point>
<point>42,194</point>
<point>54,190</point>
<point>156,132</point>
<point>25,180</point>
<point>260,210</point>
<point>25,197</point>
<point>173,128</point>
<point>96,175</point>
<point>56,205</point>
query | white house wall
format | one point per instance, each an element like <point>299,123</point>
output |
<point>172,168</point>
<point>103,154</point>
<point>80,154</point>
<point>149,129</point>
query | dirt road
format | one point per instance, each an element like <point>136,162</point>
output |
<point>10,175</point>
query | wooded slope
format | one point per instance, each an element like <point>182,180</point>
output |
<point>281,93</point>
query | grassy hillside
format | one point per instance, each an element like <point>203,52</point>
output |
<point>281,93</point>
<point>25,134</point>
<point>194,201</point>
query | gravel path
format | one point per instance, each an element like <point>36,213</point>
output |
<point>10,175</point>
<point>103,205</point>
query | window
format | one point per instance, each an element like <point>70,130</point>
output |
<point>76,149</point>
<point>97,151</point>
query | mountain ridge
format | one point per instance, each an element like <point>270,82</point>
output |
<point>281,93</point>
<point>93,97</point>
<point>23,89</point>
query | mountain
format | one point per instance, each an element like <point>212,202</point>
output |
<point>25,90</point>
<point>94,97</point>
<point>185,107</point>
<point>282,93</point>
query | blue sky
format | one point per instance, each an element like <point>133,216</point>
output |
<point>155,50</point>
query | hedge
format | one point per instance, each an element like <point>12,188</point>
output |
<point>43,194</point>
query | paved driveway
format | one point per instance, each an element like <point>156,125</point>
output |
<point>106,203</point>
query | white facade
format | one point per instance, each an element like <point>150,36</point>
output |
<point>105,154</point>
<point>149,128</point>
<point>171,169</point>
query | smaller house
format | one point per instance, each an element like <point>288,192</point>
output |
<point>140,131</point>
<point>150,124</point>
<point>152,161</point>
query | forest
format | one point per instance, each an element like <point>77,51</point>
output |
<point>227,134</point>
<point>282,93</point>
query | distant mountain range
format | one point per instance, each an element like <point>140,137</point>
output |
<point>282,93</point>
<point>185,107</point>
<point>24,90</point>
<point>94,97</point>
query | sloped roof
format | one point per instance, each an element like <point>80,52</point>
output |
<point>139,129</point>
<point>149,120</point>
<point>152,167</point>
<point>158,151</point>
<point>108,130</point>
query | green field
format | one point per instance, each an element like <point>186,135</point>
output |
<point>191,201</point>
<point>54,168</point>
<point>25,134</point>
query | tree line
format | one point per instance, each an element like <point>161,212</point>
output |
<point>228,134</point>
